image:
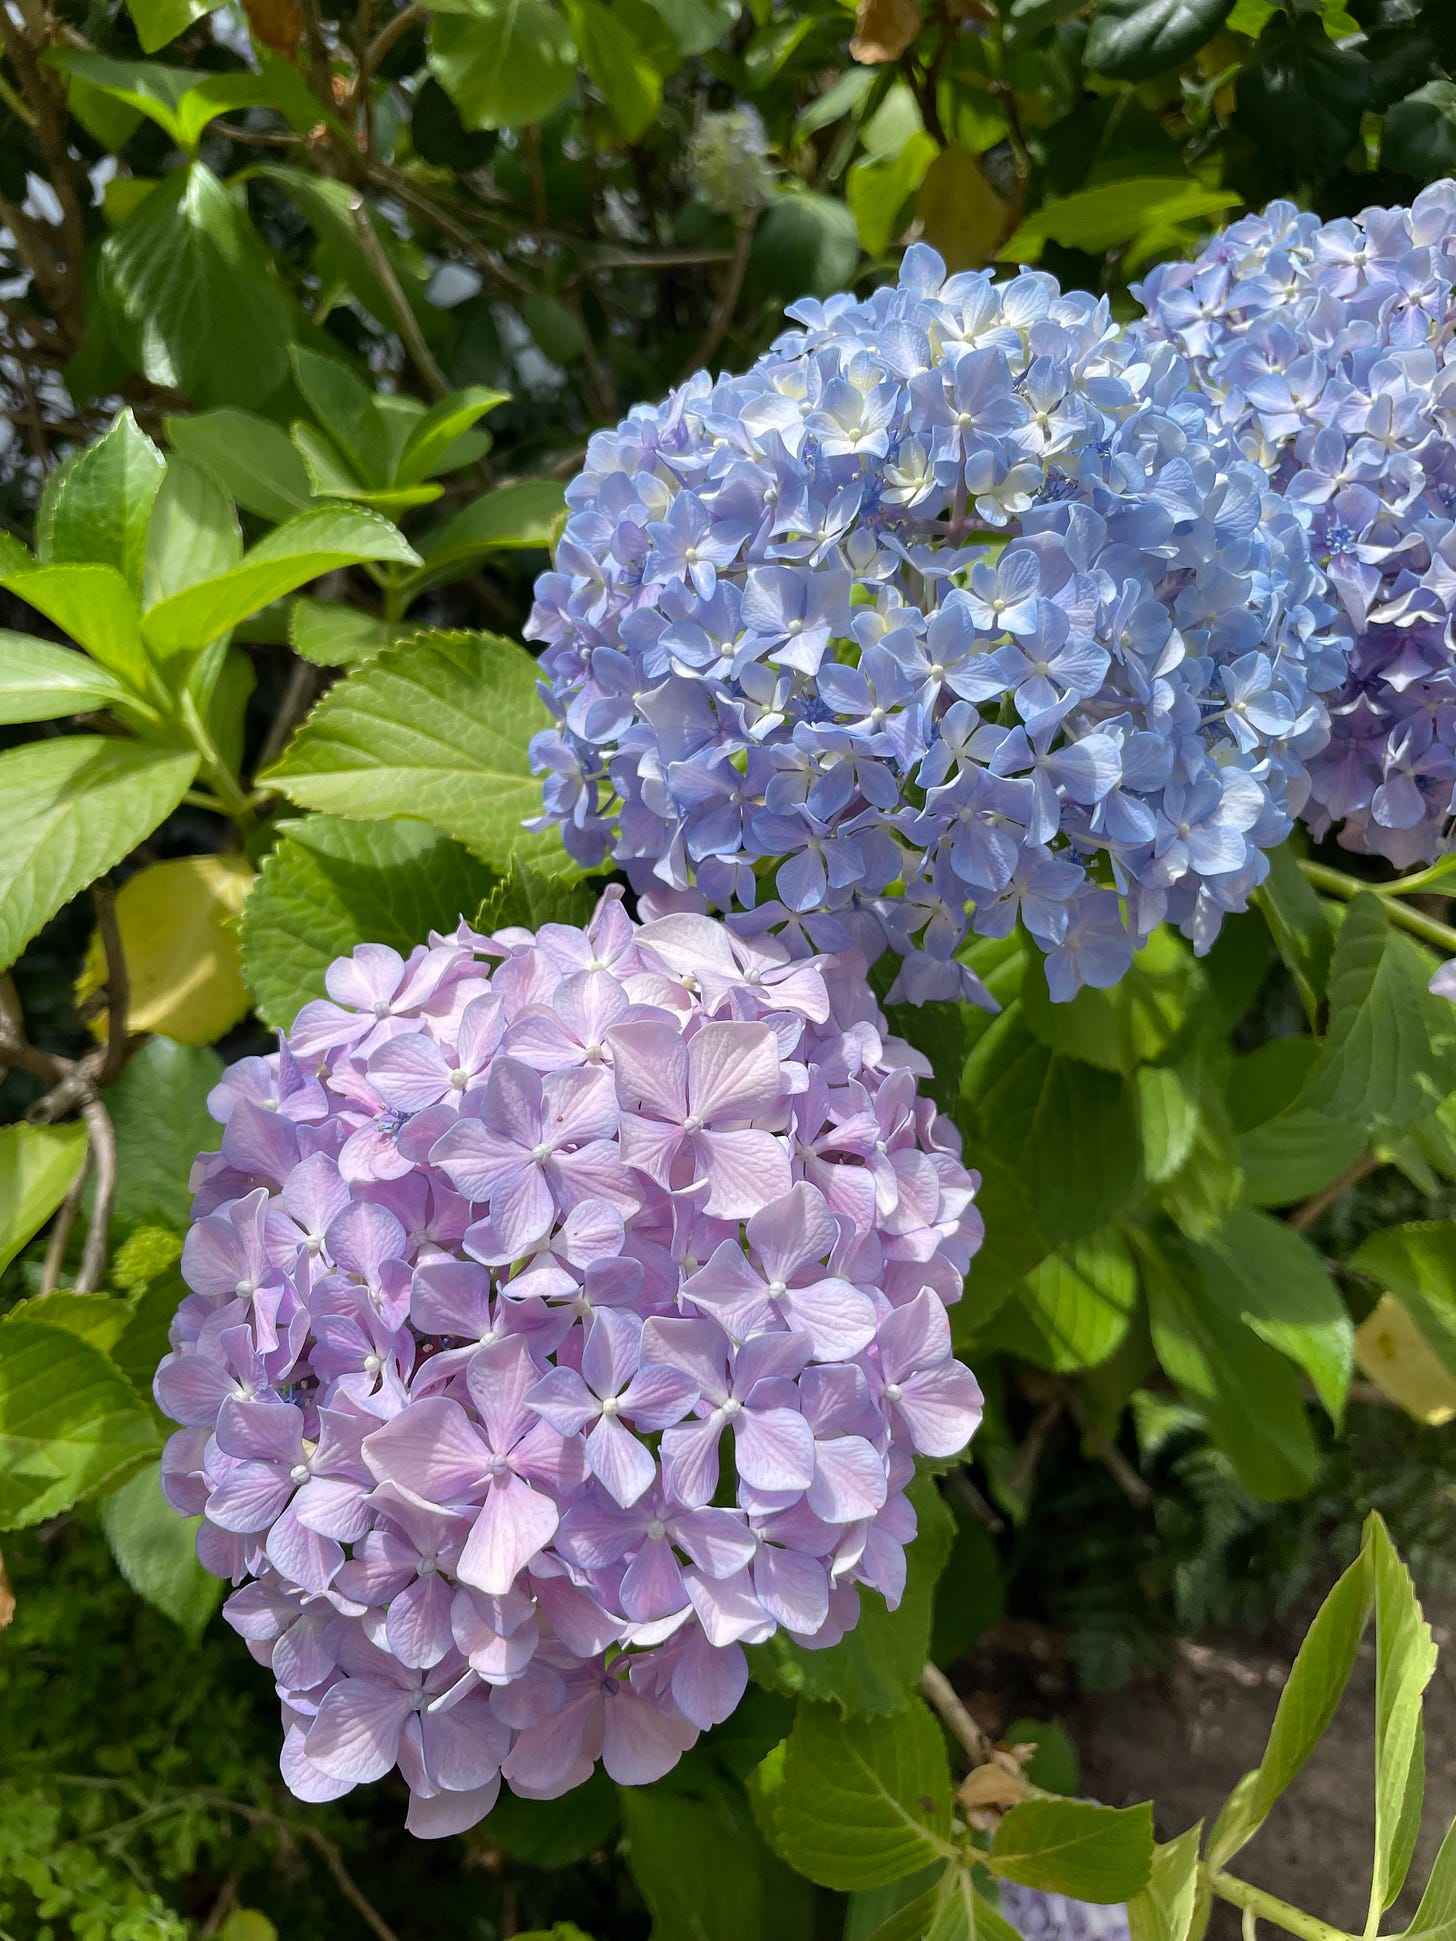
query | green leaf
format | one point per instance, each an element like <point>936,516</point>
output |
<point>194,534</point>
<point>1438,1903</point>
<point>190,294</point>
<point>344,407</point>
<point>70,1423</point>
<point>158,21</point>
<point>336,636</point>
<point>970,1594</point>
<point>1070,1846</point>
<point>857,1803</point>
<point>515,517</point>
<point>252,458</point>
<point>159,1109</point>
<point>440,724</point>
<point>1164,1910</point>
<point>1132,40</point>
<point>879,186</point>
<point>555,1832</point>
<point>618,65</point>
<point>1419,136</point>
<point>40,681</point>
<point>1301,97</point>
<point>179,100</point>
<point>1111,213</point>
<point>70,809</point>
<point>1311,1694</point>
<point>38,1165</point>
<point>525,898</point>
<point>316,542</point>
<point>1390,1053</point>
<point>1418,1264</point>
<point>803,244</point>
<point>1126,1026</point>
<point>1168,1118</point>
<point>1294,1155</point>
<point>876,1667</point>
<point>1405,1658</point>
<point>96,607</point>
<point>503,63</point>
<point>146,1336</point>
<point>332,884</point>
<point>1248,1392</point>
<point>1299,923</point>
<point>433,439</point>
<point>96,1318</point>
<point>1073,1309</point>
<point>1277,1283</point>
<point>156,1551</point>
<point>96,507</point>
<point>733,1888</point>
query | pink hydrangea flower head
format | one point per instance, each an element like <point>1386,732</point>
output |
<point>568,1311</point>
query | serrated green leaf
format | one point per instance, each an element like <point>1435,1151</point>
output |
<point>556,1832</point>
<point>1390,1053</point>
<point>1437,1909</point>
<point>1168,1118</point>
<point>1131,40</point>
<point>435,437</point>
<point>1071,1846</point>
<point>315,542</point>
<point>344,407</point>
<point>159,1110</point>
<point>440,724</point>
<point>38,1165</point>
<point>332,884</point>
<point>330,635</point>
<point>503,63</point>
<point>1073,1308</point>
<point>1113,213</point>
<point>96,507</point>
<point>1301,98</point>
<point>252,458</point>
<point>1164,1910</point>
<point>1276,1282</point>
<point>70,809</point>
<point>70,1423</point>
<point>876,1667</point>
<point>1122,1028</point>
<point>190,296</point>
<point>618,64</point>
<point>194,534</point>
<point>734,1886</point>
<point>1300,924</point>
<point>156,1552</point>
<point>96,607</point>
<point>523,516</point>
<point>525,898</point>
<point>1419,136</point>
<point>855,1803</point>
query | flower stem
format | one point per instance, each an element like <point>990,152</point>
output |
<point>1268,1907</point>
<point>1335,883</point>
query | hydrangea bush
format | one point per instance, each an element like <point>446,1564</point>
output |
<point>568,1310</point>
<point>952,611</point>
<point>1325,350</point>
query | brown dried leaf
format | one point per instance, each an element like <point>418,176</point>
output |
<point>7,1597</point>
<point>883,29</point>
<point>992,1789</point>
<point>277,24</point>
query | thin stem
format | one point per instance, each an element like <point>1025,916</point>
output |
<point>229,790</point>
<point>102,1135</point>
<point>1336,883</point>
<point>945,1701</point>
<point>65,1221</point>
<point>1268,1907</point>
<point>1304,1217</point>
<point>118,983</point>
<point>412,337</point>
<point>725,306</point>
<point>392,31</point>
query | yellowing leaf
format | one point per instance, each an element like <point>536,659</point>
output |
<point>962,214</point>
<point>1393,1352</point>
<point>181,948</point>
<point>883,29</point>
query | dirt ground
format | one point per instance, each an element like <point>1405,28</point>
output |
<point>1184,1738</point>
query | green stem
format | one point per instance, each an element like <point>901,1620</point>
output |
<point>1335,883</point>
<point>225,784</point>
<point>1268,1907</point>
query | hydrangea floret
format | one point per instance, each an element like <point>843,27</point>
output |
<point>568,1311</point>
<point>1325,349</point>
<point>950,612</point>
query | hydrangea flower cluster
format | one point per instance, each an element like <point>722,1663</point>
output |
<point>1038,1916</point>
<point>568,1311</point>
<point>1326,351</point>
<point>950,611</point>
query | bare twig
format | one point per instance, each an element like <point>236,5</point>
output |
<point>118,983</point>
<point>959,1484</point>
<point>946,1702</point>
<point>412,337</point>
<point>326,1850</point>
<point>7,1598</point>
<point>1029,1454</point>
<point>393,31</point>
<point>725,306</point>
<point>65,1222</point>
<point>1304,1217</point>
<point>102,1135</point>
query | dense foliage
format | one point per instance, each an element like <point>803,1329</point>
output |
<point>309,316</point>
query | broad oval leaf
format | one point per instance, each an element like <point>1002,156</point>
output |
<point>70,1422</point>
<point>1071,1846</point>
<point>37,1167</point>
<point>503,63</point>
<point>1131,40</point>
<point>40,681</point>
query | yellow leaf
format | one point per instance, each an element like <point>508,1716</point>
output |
<point>883,29</point>
<point>1393,1352</point>
<point>181,948</point>
<point>962,215</point>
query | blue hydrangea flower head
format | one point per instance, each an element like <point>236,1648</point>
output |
<point>1325,350</point>
<point>950,613</point>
